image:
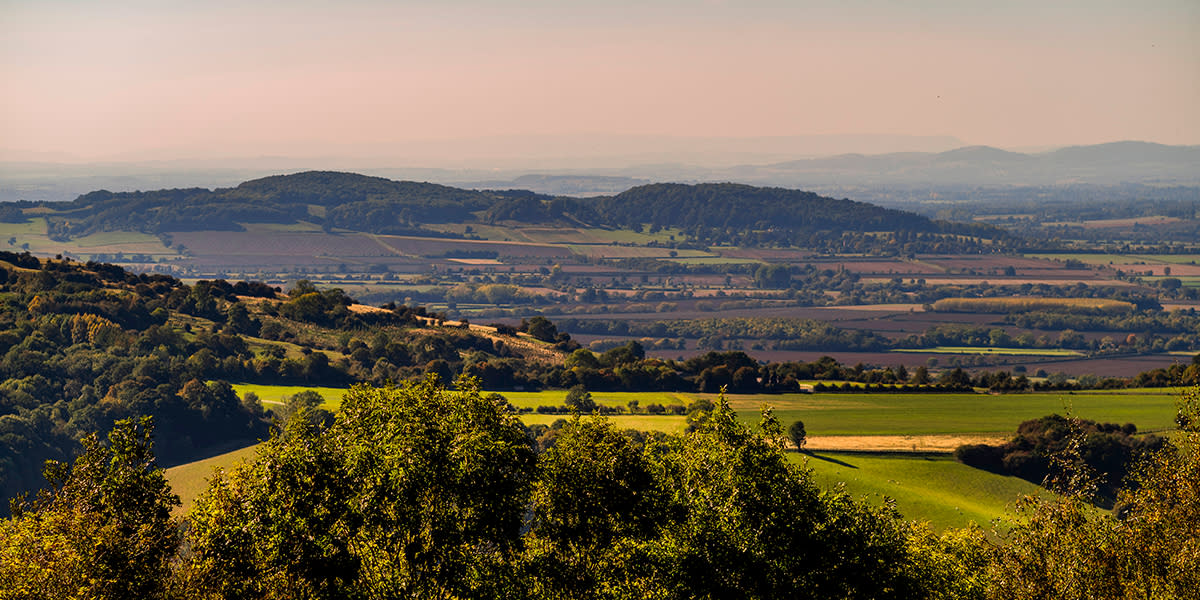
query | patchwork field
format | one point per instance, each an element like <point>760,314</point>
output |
<point>854,414</point>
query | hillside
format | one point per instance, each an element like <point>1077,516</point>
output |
<point>87,344</point>
<point>358,203</point>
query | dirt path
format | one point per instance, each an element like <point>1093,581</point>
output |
<point>901,443</point>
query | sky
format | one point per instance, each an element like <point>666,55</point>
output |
<point>130,79</point>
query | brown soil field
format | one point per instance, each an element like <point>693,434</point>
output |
<point>1124,366</point>
<point>897,267</point>
<point>298,244</point>
<point>899,443</point>
<point>774,255</point>
<point>1073,279</point>
<point>992,262</point>
<point>418,246</point>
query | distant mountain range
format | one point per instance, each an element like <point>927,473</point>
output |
<point>1102,164</point>
<point>1117,162</point>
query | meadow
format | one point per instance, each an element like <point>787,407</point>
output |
<point>931,488</point>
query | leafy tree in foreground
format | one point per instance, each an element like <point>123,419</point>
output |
<point>1149,547</point>
<point>103,530</point>
<point>414,491</point>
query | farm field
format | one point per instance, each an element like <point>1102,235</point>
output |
<point>857,414</point>
<point>936,489</point>
<point>191,479</point>
<point>665,423</point>
<point>988,350</point>
<point>277,394</point>
<point>33,233</point>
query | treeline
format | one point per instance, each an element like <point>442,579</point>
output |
<point>1083,306</point>
<point>800,334</point>
<point>780,333</point>
<point>418,492</point>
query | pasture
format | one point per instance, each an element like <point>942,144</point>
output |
<point>277,394</point>
<point>191,479</point>
<point>936,489</point>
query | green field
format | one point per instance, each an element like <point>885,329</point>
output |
<point>558,398</point>
<point>933,414</point>
<point>666,424</point>
<point>936,489</point>
<point>1123,259</point>
<point>990,350</point>
<point>277,394</point>
<point>33,232</point>
<point>190,479</point>
<point>715,260</point>
<point>854,413</point>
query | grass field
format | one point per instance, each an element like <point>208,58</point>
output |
<point>667,424</point>
<point>33,232</point>
<point>936,489</point>
<point>965,413</point>
<point>1124,259</point>
<point>852,413</point>
<point>990,350</point>
<point>277,394</point>
<point>191,479</point>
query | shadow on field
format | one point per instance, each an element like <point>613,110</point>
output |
<point>832,460</point>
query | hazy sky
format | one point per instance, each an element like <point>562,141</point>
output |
<point>135,79</point>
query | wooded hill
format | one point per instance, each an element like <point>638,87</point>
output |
<point>711,213</point>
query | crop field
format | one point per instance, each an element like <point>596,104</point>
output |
<point>936,489</point>
<point>557,397</point>
<point>556,235</point>
<point>610,251</point>
<point>854,413</point>
<point>714,260</point>
<point>33,232</point>
<point>908,414</point>
<point>419,246</point>
<point>991,351</point>
<point>277,394</point>
<point>961,413</point>
<point>666,424</point>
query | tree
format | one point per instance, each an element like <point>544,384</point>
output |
<point>306,403</point>
<point>413,491</point>
<point>798,435</point>
<point>580,399</point>
<point>1145,548</point>
<point>540,328</point>
<point>102,530</point>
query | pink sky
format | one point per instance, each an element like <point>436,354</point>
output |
<point>157,78</point>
